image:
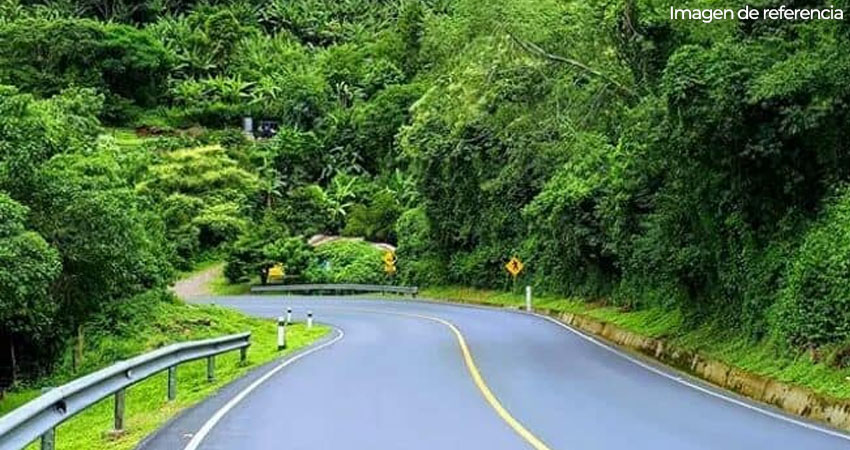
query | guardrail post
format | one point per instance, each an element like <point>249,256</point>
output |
<point>120,397</point>
<point>243,354</point>
<point>281,333</point>
<point>48,439</point>
<point>288,316</point>
<point>211,368</point>
<point>172,383</point>
<point>309,319</point>
<point>528,298</point>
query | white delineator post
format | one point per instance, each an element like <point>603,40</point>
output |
<point>281,333</point>
<point>528,298</point>
<point>309,319</point>
<point>288,316</point>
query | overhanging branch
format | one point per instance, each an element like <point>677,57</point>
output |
<point>536,50</point>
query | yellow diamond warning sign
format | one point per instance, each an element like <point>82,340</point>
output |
<point>514,266</point>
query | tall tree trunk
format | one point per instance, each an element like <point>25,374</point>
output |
<point>14,360</point>
<point>78,351</point>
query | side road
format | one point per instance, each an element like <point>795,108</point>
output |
<point>198,283</point>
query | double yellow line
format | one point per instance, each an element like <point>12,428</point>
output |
<point>494,402</point>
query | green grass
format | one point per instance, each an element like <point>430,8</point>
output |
<point>147,408</point>
<point>199,267</point>
<point>220,286</point>
<point>125,137</point>
<point>715,341</point>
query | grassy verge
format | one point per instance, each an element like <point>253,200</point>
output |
<point>202,266</point>
<point>155,324</point>
<point>125,137</point>
<point>714,341</point>
<point>220,286</point>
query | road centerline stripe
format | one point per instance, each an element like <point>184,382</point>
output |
<point>474,373</point>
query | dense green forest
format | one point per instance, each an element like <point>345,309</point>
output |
<point>625,157</point>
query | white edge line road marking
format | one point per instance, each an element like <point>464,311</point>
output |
<point>620,353</point>
<point>655,370</point>
<point>685,382</point>
<point>208,426</point>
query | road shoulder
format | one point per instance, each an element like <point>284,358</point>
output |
<point>180,429</point>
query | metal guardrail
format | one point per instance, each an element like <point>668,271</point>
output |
<point>407,290</point>
<point>41,416</point>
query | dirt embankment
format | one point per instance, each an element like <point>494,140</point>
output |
<point>197,284</point>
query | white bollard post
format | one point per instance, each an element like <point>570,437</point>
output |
<point>528,298</point>
<point>281,333</point>
<point>309,319</point>
<point>288,316</point>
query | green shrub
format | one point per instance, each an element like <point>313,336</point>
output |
<point>307,210</point>
<point>46,56</point>
<point>375,222</point>
<point>416,263</point>
<point>814,303</point>
<point>348,262</point>
<point>567,237</point>
<point>483,266</point>
<point>263,246</point>
<point>219,223</point>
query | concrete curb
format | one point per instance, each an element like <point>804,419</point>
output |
<point>796,400</point>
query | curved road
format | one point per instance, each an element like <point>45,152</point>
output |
<point>397,379</point>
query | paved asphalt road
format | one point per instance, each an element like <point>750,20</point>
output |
<point>400,382</point>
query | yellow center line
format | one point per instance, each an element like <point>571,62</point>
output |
<point>491,398</point>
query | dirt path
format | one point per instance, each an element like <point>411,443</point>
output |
<point>197,284</point>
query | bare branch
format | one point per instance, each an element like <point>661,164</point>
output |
<point>533,48</point>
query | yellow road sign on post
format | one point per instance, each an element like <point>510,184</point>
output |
<point>276,272</point>
<point>514,266</point>
<point>389,262</point>
<point>389,257</point>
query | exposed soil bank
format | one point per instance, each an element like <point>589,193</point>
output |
<point>197,284</point>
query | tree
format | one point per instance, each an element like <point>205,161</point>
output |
<point>411,26</point>
<point>206,197</point>
<point>263,247</point>
<point>46,56</point>
<point>110,246</point>
<point>28,265</point>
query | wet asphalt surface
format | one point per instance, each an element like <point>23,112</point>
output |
<point>400,382</point>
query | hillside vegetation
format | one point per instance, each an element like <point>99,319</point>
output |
<point>699,169</point>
